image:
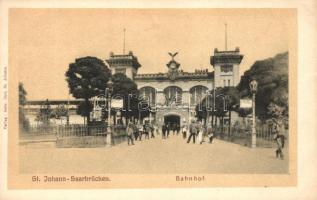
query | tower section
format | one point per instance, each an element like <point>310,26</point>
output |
<point>226,67</point>
<point>125,64</point>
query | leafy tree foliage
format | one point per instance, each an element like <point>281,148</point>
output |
<point>272,77</point>
<point>22,94</point>
<point>60,112</point>
<point>45,113</point>
<point>84,108</point>
<point>126,89</point>
<point>244,112</point>
<point>87,77</point>
<point>226,100</point>
<point>23,121</point>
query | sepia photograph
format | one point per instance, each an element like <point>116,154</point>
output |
<point>187,94</point>
<point>153,100</point>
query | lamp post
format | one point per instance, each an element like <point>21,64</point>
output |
<point>108,95</point>
<point>253,88</point>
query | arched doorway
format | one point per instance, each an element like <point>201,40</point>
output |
<point>172,120</point>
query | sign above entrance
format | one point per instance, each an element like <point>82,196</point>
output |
<point>245,103</point>
<point>117,103</point>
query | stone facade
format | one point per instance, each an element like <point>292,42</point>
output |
<point>226,67</point>
<point>176,93</point>
<point>173,95</point>
<point>186,82</point>
<point>126,64</point>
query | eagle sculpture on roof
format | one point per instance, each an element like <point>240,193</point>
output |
<point>172,55</point>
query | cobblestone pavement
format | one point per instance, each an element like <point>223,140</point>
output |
<point>158,156</point>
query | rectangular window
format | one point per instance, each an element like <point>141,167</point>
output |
<point>229,82</point>
<point>120,71</point>
<point>226,68</point>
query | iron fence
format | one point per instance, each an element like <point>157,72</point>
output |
<point>40,129</point>
<point>89,136</point>
<point>242,135</point>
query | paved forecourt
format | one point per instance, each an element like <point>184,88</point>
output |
<point>156,155</point>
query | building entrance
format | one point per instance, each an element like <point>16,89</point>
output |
<point>173,121</point>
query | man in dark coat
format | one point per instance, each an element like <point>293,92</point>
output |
<point>152,130</point>
<point>192,131</point>
<point>168,128</point>
<point>164,131</point>
<point>210,132</point>
<point>135,131</point>
<point>130,133</point>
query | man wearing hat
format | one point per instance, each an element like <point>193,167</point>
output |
<point>130,133</point>
<point>192,131</point>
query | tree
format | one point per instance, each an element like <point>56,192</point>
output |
<point>244,112</point>
<point>272,77</point>
<point>60,112</point>
<point>225,100</point>
<point>45,113</point>
<point>87,77</point>
<point>126,89</point>
<point>23,121</point>
<point>84,108</point>
<point>208,106</point>
<point>232,100</point>
<point>22,95</point>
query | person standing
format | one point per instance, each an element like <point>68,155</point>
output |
<point>168,129</point>
<point>201,133</point>
<point>164,131</point>
<point>156,128</point>
<point>192,131</point>
<point>146,130</point>
<point>178,129</point>
<point>280,140</point>
<point>210,132</point>
<point>135,131</point>
<point>152,130</point>
<point>140,131</point>
<point>184,131</point>
<point>174,128</point>
<point>130,134</point>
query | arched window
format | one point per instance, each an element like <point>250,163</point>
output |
<point>197,93</point>
<point>173,94</point>
<point>148,93</point>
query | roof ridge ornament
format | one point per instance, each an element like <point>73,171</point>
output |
<point>172,55</point>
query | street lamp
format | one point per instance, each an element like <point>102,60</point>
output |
<point>108,91</point>
<point>253,88</point>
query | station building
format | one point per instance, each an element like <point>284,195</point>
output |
<point>174,94</point>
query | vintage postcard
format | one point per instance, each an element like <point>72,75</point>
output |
<point>104,98</point>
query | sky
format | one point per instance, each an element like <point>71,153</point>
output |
<point>43,42</point>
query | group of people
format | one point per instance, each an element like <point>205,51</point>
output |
<point>199,131</point>
<point>196,130</point>
<point>135,131</point>
<point>167,128</point>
